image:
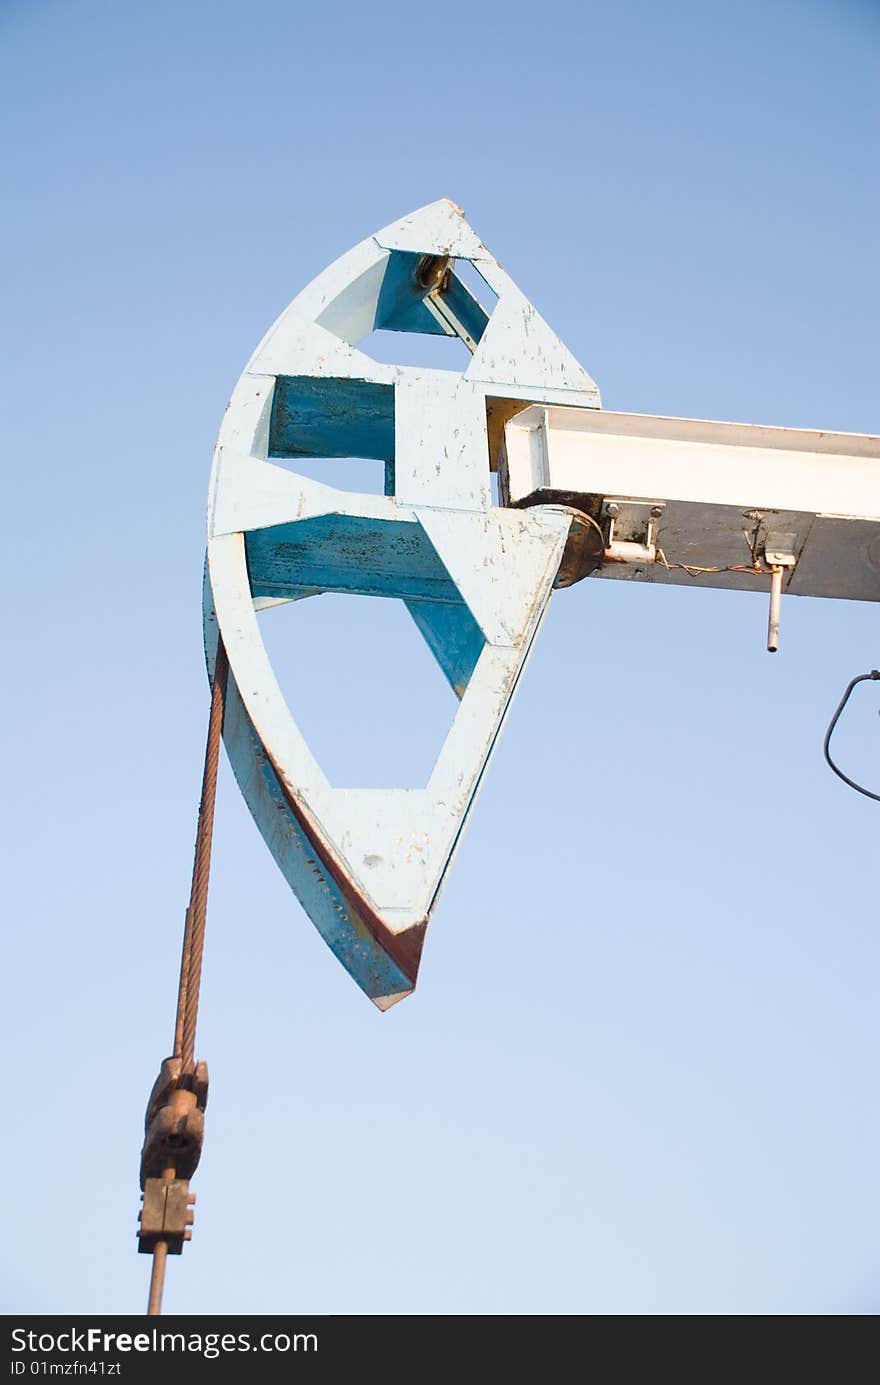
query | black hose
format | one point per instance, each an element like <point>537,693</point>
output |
<point>873,676</point>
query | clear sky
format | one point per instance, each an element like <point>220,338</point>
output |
<point>638,1075</point>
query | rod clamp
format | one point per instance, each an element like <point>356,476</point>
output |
<point>166,1215</point>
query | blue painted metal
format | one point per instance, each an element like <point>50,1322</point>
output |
<point>325,417</point>
<point>347,553</point>
<point>368,865</point>
<point>453,637</point>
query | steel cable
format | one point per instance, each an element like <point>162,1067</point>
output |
<point>194,932</point>
<point>196,914</point>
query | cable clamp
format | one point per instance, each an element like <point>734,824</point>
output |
<point>174,1126</point>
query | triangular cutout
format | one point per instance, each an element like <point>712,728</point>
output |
<point>390,733</point>
<point>388,849</point>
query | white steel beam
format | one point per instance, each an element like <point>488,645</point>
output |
<point>723,495</point>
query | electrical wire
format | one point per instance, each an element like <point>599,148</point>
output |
<point>873,676</point>
<point>693,570</point>
<point>755,568</point>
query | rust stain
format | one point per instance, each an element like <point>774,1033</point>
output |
<point>404,949</point>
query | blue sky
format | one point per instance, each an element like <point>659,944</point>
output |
<point>639,1072</point>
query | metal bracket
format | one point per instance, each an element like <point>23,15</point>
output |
<point>780,550</point>
<point>630,529</point>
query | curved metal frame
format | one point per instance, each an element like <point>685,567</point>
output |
<point>368,865</point>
